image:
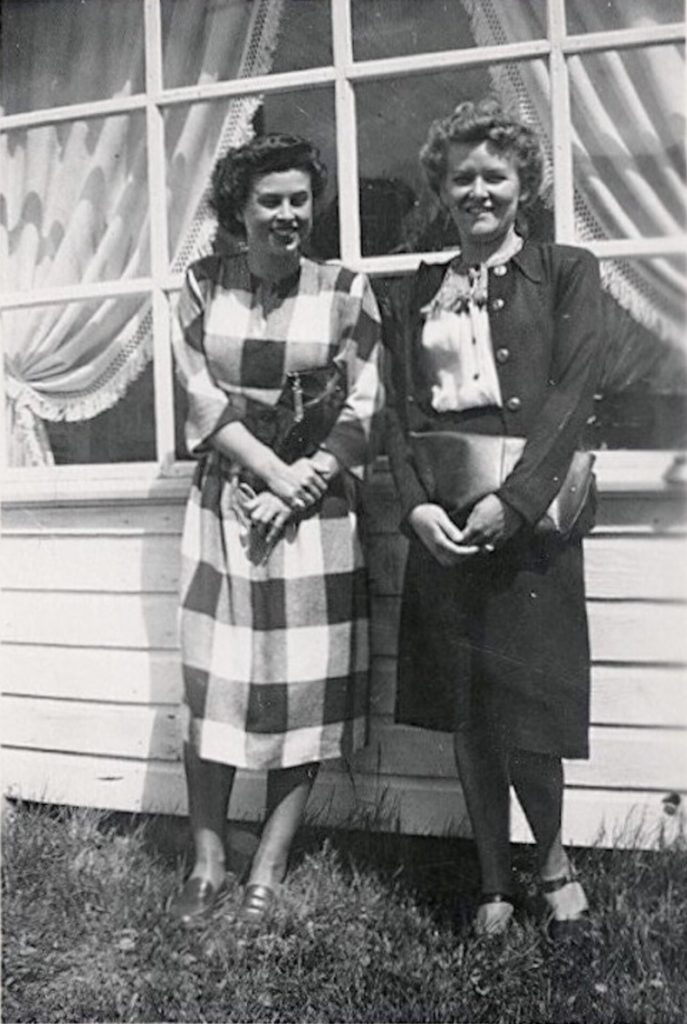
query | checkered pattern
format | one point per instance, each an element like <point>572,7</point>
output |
<point>232,351</point>
<point>275,654</point>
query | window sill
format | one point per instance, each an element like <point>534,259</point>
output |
<point>618,473</point>
<point>126,483</point>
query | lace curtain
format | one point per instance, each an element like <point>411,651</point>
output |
<point>627,123</point>
<point>75,193</point>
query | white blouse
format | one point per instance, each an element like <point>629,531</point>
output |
<point>456,336</point>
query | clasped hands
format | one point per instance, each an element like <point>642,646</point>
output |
<point>490,523</point>
<point>293,488</point>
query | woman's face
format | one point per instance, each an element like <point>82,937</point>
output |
<point>482,190</point>
<point>278,213</point>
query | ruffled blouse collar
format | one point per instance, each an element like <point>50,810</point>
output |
<point>466,285</point>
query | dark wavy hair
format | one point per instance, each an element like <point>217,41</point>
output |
<point>484,121</point>
<point>234,173</point>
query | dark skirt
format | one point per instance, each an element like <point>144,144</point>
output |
<point>502,637</point>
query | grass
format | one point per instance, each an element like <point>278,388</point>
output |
<point>370,928</point>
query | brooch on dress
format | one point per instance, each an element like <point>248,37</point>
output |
<point>459,290</point>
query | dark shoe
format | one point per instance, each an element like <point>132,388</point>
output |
<point>562,927</point>
<point>494,914</point>
<point>571,930</point>
<point>258,901</point>
<point>195,901</point>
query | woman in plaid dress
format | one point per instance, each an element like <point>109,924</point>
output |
<point>273,593</point>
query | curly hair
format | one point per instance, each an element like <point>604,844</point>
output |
<point>484,121</point>
<point>235,173</point>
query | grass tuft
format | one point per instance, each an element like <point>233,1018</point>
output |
<point>371,927</point>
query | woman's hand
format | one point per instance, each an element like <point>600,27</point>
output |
<point>299,484</point>
<point>441,537</point>
<point>491,523</point>
<point>311,481</point>
<point>268,514</point>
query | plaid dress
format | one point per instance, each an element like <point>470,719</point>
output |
<point>275,652</point>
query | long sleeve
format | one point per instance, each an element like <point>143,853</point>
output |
<point>408,486</point>
<point>351,438</point>
<point>557,427</point>
<point>209,407</point>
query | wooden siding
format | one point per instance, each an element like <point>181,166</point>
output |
<point>92,680</point>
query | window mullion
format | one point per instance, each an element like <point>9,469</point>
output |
<point>73,112</point>
<point>75,292</point>
<point>624,39</point>
<point>619,248</point>
<point>159,249</point>
<point>346,132</point>
<point>446,60</point>
<point>561,128</point>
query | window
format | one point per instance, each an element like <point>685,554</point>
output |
<point>104,178</point>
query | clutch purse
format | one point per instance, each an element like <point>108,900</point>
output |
<point>457,470</point>
<point>315,399</point>
<point>305,412</point>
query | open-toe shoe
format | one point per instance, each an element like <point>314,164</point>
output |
<point>494,914</point>
<point>568,919</point>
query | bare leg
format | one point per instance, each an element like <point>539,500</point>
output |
<point>209,788</point>
<point>538,782</point>
<point>485,784</point>
<point>288,790</point>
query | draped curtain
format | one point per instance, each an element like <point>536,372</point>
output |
<point>75,194</point>
<point>627,127</point>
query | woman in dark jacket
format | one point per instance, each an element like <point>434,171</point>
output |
<point>501,339</point>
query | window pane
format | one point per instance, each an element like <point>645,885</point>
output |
<point>642,400</point>
<point>311,114</point>
<point>75,202</point>
<point>56,52</point>
<point>628,125</point>
<point>125,433</point>
<point>196,133</point>
<point>619,14</point>
<point>79,382</point>
<point>394,28</point>
<point>230,39</point>
<point>398,211</point>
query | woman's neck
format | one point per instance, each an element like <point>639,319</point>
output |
<point>273,268</point>
<point>473,252</point>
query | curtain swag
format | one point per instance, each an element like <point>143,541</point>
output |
<point>77,206</point>
<point>624,110</point>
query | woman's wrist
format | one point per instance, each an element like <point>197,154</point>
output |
<point>324,463</point>
<point>271,468</point>
<point>418,512</point>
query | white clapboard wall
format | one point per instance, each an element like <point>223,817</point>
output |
<point>91,675</point>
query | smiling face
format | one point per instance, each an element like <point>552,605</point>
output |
<point>481,189</point>
<point>278,214</point>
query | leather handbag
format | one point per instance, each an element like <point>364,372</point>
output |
<point>458,469</point>
<point>305,412</point>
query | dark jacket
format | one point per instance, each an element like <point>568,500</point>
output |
<point>503,637</point>
<point>544,318</point>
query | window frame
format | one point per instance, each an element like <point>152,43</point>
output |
<point>166,475</point>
